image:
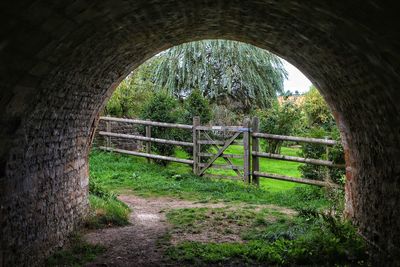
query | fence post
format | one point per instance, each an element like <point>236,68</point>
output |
<point>108,129</point>
<point>148,143</point>
<point>255,161</point>
<point>196,161</point>
<point>246,148</point>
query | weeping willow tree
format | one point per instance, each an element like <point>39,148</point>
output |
<point>226,72</point>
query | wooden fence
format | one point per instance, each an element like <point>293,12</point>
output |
<point>203,161</point>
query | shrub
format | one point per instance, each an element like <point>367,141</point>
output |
<point>279,119</point>
<point>128,98</point>
<point>315,151</point>
<point>162,108</point>
<point>194,105</point>
<point>317,111</point>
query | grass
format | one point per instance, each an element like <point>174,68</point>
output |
<point>228,220</point>
<point>268,165</point>
<point>106,213</point>
<point>119,173</point>
<point>271,237</point>
<point>77,253</point>
<point>105,209</point>
<point>268,236</point>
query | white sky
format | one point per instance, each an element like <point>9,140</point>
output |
<point>296,79</point>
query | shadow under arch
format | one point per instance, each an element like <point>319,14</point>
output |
<point>61,61</point>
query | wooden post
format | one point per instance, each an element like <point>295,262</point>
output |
<point>255,161</point>
<point>148,143</point>
<point>108,129</point>
<point>246,149</point>
<point>196,158</point>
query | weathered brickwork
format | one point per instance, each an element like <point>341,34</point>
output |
<point>61,60</point>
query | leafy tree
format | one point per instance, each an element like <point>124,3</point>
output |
<point>129,97</point>
<point>317,111</point>
<point>194,105</point>
<point>224,71</point>
<point>279,119</point>
<point>162,108</point>
<point>321,124</point>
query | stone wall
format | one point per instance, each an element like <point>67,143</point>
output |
<point>61,60</point>
<point>117,142</point>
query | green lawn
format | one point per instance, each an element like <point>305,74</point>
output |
<point>266,165</point>
<point>119,173</point>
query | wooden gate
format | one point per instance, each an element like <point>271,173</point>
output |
<point>204,161</point>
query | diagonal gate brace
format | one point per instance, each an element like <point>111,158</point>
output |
<point>226,159</point>
<point>219,153</point>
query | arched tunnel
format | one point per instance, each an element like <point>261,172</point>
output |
<point>61,60</point>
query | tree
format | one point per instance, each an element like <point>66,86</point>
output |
<point>224,71</point>
<point>194,105</point>
<point>321,124</point>
<point>162,108</point>
<point>279,119</point>
<point>130,95</point>
<point>317,111</point>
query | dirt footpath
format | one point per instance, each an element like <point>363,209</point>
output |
<point>139,243</point>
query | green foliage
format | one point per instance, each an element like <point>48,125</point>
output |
<point>317,110</point>
<point>127,100</point>
<point>194,105</point>
<point>77,253</point>
<point>105,209</point>
<point>279,119</point>
<point>162,108</point>
<point>224,71</point>
<point>336,154</point>
<point>315,151</point>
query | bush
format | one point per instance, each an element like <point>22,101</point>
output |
<point>336,154</point>
<point>315,151</point>
<point>128,99</point>
<point>279,119</point>
<point>194,105</point>
<point>317,111</point>
<point>162,108</point>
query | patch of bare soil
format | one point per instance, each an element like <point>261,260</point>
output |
<point>138,244</point>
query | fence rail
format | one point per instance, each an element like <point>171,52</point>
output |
<point>146,155</point>
<point>143,138</point>
<point>249,171</point>
<point>295,139</point>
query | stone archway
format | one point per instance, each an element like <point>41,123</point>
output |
<point>59,62</point>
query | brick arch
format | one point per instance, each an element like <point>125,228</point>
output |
<point>59,63</point>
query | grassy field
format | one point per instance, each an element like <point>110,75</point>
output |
<point>119,173</point>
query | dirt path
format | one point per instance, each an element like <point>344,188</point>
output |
<point>137,244</point>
